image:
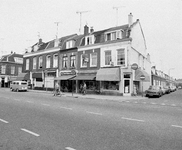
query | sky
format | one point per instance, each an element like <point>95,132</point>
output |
<point>24,21</point>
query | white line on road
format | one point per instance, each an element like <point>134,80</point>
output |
<point>127,101</point>
<point>173,105</point>
<point>66,108</point>
<point>94,113</point>
<point>176,126</point>
<point>29,101</point>
<point>69,148</point>
<point>4,121</point>
<point>131,119</point>
<point>46,104</point>
<point>153,103</point>
<point>16,99</point>
<point>163,104</point>
<point>144,102</point>
<point>30,132</point>
<point>135,102</point>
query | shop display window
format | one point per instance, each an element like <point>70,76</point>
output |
<point>110,85</point>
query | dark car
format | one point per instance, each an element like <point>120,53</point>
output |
<point>154,91</point>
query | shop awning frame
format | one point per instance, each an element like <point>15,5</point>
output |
<point>85,77</point>
<point>66,77</point>
<point>23,76</point>
<point>108,74</point>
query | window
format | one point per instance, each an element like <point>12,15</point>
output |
<point>40,61</point>
<point>72,61</point>
<point>12,69</point>
<point>93,59</point>
<point>34,63</point>
<point>65,61</point>
<point>3,69</point>
<point>19,70</point>
<point>48,61</point>
<point>108,59</point>
<point>84,60</point>
<point>121,57</point>
<point>89,40</point>
<point>27,64</point>
<point>55,61</point>
<point>108,37</point>
<point>18,60</point>
<point>70,44</point>
<point>113,35</point>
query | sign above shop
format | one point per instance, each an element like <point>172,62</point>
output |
<point>134,66</point>
<point>68,72</point>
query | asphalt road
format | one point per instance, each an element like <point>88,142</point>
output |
<point>39,121</point>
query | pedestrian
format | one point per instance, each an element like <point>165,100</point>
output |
<point>84,88</point>
<point>57,89</point>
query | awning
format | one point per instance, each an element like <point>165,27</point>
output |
<point>140,72</point>
<point>12,78</point>
<point>66,77</point>
<point>108,74</point>
<point>37,75</point>
<point>85,77</point>
<point>23,76</point>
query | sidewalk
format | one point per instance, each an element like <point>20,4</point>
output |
<point>94,96</point>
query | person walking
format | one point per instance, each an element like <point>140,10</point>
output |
<point>57,89</point>
<point>84,88</point>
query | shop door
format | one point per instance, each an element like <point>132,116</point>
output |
<point>127,87</point>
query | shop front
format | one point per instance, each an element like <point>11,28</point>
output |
<point>65,82</point>
<point>109,79</point>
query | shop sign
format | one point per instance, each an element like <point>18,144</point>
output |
<point>68,72</point>
<point>134,66</point>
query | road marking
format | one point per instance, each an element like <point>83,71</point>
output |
<point>29,101</point>
<point>4,121</point>
<point>173,105</point>
<point>144,102</point>
<point>66,108</point>
<point>127,101</point>
<point>153,103</point>
<point>135,102</point>
<point>30,132</point>
<point>16,99</point>
<point>131,119</point>
<point>176,126</point>
<point>46,104</point>
<point>94,113</point>
<point>163,104</point>
<point>69,148</point>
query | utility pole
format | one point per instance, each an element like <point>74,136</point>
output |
<point>57,24</point>
<point>117,13</point>
<point>80,12</point>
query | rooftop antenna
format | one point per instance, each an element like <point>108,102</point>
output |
<point>57,24</point>
<point>117,13</point>
<point>80,12</point>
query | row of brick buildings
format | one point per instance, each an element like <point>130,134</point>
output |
<point>102,59</point>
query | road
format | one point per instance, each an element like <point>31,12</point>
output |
<point>39,121</point>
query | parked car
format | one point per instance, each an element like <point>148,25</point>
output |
<point>18,86</point>
<point>173,88</point>
<point>154,91</point>
<point>168,90</point>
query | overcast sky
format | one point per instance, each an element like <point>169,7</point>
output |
<point>161,20</point>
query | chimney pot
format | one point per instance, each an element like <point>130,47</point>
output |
<point>86,28</point>
<point>130,19</point>
<point>91,30</point>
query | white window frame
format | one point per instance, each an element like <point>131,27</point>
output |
<point>12,69</point>
<point>73,60</point>
<point>70,44</point>
<point>48,61</point>
<point>105,57</point>
<point>3,69</point>
<point>40,62</point>
<point>89,40</point>
<point>27,64</point>
<point>117,33</point>
<point>55,61</point>
<point>34,62</point>
<point>121,49</point>
<point>65,62</point>
<point>85,63</point>
<point>92,59</point>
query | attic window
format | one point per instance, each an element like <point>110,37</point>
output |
<point>70,44</point>
<point>113,35</point>
<point>89,40</point>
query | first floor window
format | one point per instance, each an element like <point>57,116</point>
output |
<point>19,70</point>
<point>108,59</point>
<point>40,61</point>
<point>34,62</point>
<point>72,61</point>
<point>12,69</point>
<point>93,59</point>
<point>27,64</point>
<point>48,61</point>
<point>84,60</point>
<point>55,61</point>
<point>65,61</point>
<point>121,57</point>
<point>3,69</point>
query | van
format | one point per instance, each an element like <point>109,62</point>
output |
<point>18,86</point>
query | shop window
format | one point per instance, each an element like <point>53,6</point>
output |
<point>108,58</point>
<point>121,57</point>
<point>110,85</point>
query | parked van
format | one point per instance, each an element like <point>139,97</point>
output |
<point>18,86</point>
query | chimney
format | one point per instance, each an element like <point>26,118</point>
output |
<point>91,30</point>
<point>40,41</point>
<point>130,19</point>
<point>86,28</point>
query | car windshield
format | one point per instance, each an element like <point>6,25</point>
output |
<point>23,83</point>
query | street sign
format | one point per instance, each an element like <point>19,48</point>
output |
<point>142,77</point>
<point>134,66</point>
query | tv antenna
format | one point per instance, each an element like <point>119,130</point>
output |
<point>117,8</point>
<point>57,24</point>
<point>81,12</point>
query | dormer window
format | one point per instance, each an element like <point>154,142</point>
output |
<point>70,44</point>
<point>89,40</point>
<point>113,35</point>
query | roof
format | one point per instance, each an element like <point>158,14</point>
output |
<point>10,57</point>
